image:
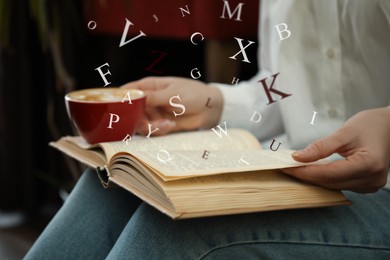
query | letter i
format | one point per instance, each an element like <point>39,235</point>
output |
<point>314,116</point>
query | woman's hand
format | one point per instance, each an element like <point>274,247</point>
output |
<point>364,141</point>
<point>175,104</point>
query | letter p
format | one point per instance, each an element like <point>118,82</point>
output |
<point>114,118</point>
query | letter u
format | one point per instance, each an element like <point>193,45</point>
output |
<point>273,141</point>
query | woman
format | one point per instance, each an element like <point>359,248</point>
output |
<point>332,69</point>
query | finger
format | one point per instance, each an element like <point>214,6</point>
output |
<point>353,167</point>
<point>320,149</point>
<point>148,83</point>
<point>362,185</point>
<point>148,128</point>
<point>160,97</point>
<point>153,113</point>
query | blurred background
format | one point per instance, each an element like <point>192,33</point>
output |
<point>49,47</point>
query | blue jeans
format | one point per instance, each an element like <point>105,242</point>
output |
<point>98,223</point>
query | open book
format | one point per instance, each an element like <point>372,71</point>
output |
<point>201,173</point>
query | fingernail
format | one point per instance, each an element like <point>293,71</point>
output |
<point>166,123</point>
<point>298,153</point>
<point>170,123</point>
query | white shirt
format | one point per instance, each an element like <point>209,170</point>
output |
<point>336,62</point>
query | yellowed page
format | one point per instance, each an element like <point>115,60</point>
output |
<point>185,164</point>
<point>230,193</point>
<point>236,139</point>
<point>93,157</point>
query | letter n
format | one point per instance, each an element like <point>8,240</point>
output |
<point>182,10</point>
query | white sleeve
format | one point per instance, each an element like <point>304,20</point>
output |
<point>240,103</point>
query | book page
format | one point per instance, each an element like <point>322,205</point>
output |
<point>185,164</point>
<point>236,139</point>
<point>93,157</point>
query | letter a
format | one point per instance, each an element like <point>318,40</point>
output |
<point>128,97</point>
<point>124,34</point>
<point>270,89</point>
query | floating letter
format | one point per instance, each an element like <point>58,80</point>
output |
<point>184,11</point>
<point>177,105</point>
<point>193,35</point>
<point>104,74</point>
<point>208,101</point>
<point>273,141</point>
<point>167,156</point>
<point>242,160</point>
<point>235,80</point>
<point>150,130</point>
<point>128,97</point>
<point>127,139</point>
<point>220,130</point>
<point>112,120</point>
<point>228,10</point>
<point>197,71</point>
<point>205,154</point>
<point>256,114</point>
<point>154,63</point>
<point>314,116</point>
<point>270,89</point>
<point>282,30</point>
<point>126,29</point>
<point>242,49</point>
<point>91,25</point>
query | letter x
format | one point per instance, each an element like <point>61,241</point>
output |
<point>242,48</point>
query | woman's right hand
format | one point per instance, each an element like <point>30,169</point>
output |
<point>176,104</point>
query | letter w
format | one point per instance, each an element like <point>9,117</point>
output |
<point>220,130</point>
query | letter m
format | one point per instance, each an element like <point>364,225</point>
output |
<point>226,7</point>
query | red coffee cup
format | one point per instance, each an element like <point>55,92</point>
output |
<point>105,114</point>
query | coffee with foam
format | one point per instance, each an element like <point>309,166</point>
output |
<point>105,95</point>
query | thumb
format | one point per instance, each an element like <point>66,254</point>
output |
<point>319,149</point>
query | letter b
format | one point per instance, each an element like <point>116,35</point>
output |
<point>280,31</point>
